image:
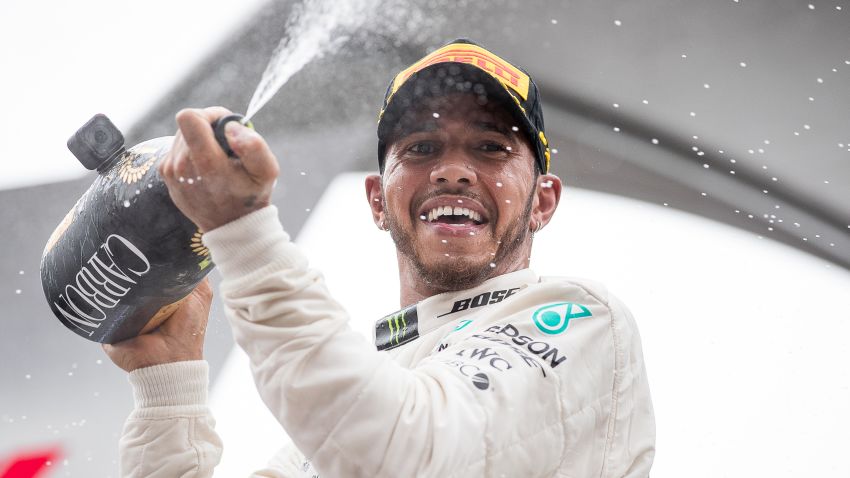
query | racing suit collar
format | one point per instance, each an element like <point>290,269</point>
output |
<point>428,314</point>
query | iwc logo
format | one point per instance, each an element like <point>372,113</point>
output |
<point>553,319</point>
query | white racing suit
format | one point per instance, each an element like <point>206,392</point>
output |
<point>520,376</point>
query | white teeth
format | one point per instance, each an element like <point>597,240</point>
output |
<point>436,212</point>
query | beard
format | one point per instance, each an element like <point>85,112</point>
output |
<point>461,272</point>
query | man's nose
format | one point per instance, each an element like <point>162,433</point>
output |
<point>454,168</point>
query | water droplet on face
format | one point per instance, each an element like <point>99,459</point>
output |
<point>616,105</point>
<point>616,129</point>
<point>27,376</point>
<point>444,241</point>
<point>684,56</point>
<point>811,7</point>
<point>665,204</point>
<point>471,233</point>
<point>18,291</point>
<point>423,217</point>
<point>731,172</point>
<point>825,181</point>
<point>20,273</point>
<point>498,185</point>
<point>446,255</point>
<point>98,361</point>
<point>126,203</point>
<point>743,64</point>
<point>554,150</point>
<point>460,201</point>
<point>706,86</point>
<point>514,129</point>
<point>693,114</point>
<point>492,264</point>
<point>706,166</point>
<point>508,201</point>
<point>436,115</point>
<point>703,194</point>
<point>198,178</point>
<point>554,22</point>
<point>508,148</point>
<point>646,102</point>
<point>654,140</point>
<point>774,179</point>
<point>303,173</point>
<point>181,179</point>
<point>618,22</point>
<point>190,181</point>
<point>307,210</point>
<point>805,126</point>
<point>70,374</point>
<point>811,98</point>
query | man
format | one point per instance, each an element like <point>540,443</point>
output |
<point>487,370</point>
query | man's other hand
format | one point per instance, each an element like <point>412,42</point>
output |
<point>207,186</point>
<point>179,338</point>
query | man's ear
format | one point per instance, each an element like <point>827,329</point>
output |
<point>375,195</point>
<point>547,195</point>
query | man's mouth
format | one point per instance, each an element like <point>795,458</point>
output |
<point>454,215</point>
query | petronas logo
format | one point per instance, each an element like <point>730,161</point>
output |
<point>553,319</point>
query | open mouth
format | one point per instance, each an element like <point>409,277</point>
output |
<point>454,216</point>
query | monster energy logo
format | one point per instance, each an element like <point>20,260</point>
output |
<point>397,329</point>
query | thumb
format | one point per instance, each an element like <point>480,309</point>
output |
<point>255,154</point>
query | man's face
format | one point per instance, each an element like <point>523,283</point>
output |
<point>458,190</point>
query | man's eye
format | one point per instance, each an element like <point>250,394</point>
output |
<point>490,147</point>
<point>424,147</point>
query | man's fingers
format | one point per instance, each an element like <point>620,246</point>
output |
<point>196,127</point>
<point>192,315</point>
<point>257,159</point>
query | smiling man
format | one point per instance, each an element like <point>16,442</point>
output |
<point>486,370</point>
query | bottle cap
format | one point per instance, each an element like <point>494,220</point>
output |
<point>96,142</point>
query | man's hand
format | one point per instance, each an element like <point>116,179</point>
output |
<point>179,338</point>
<point>207,186</point>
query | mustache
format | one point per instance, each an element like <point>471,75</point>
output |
<point>456,192</point>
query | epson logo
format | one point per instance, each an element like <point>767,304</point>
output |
<point>481,300</point>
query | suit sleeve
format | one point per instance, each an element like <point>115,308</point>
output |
<point>484,406</point>
<point>170,433</point>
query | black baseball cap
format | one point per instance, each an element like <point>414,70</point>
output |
<point>464,66</point>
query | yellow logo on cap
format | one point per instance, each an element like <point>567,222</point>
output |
<point>510,76</point>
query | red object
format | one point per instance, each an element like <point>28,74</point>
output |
<point>31,464</point>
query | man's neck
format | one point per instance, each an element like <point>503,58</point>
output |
<point>413,287</point>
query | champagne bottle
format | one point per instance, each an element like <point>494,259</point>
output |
<point>124,257</point>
